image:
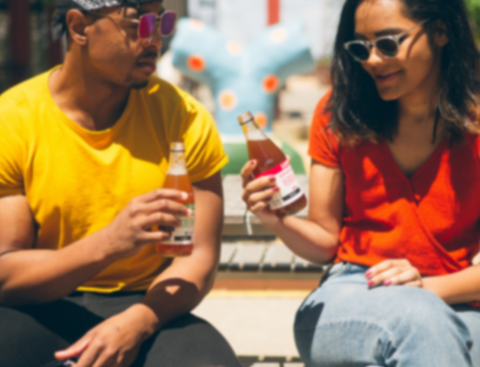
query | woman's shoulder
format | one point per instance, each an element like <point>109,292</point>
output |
<point>322,115</point>
<point>324,144</point>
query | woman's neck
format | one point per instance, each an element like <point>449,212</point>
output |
<point>420,105</point>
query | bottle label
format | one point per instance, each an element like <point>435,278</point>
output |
<point>289,191</point>
<point>183,235</point>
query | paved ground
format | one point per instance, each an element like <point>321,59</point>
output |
<point>255,323</point>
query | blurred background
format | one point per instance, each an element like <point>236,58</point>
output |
<point>26,49</point>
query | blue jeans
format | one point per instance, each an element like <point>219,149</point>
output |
<point>344,323</point>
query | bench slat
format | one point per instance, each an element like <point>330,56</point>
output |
<point>304,183</point>
<point>302,266</point>
<point>248,257</point>
<point>235,208</point>
<point>226,256</point>
<point>278,258</point>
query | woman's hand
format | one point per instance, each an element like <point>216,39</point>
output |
<point>394,272</point>
<point>113,343</point>
<point>257,193</point>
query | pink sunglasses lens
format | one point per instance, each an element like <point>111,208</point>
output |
<point>147,25</point>
<point>167,23</point>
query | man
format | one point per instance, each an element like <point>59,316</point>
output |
<point>84,151</point>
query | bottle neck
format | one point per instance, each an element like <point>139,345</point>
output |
<point>177,163</point>
<point>252,132</point>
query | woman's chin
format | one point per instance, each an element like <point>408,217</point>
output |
<point>388,96</point>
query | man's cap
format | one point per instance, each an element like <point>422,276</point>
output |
<point>63,6</point>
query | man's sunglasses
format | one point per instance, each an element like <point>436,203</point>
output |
<point>388,45</point>
<point>148,23</point>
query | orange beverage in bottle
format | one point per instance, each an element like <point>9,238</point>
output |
<point>180,242</point>
<point>271,161</point>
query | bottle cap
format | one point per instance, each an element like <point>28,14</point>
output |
<point>177,147</point>
<point>245,117</point>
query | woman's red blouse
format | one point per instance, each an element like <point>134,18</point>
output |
<point>432,218</point>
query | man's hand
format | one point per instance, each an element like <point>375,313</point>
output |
<point>132,227</point>
<point>113,343</point>
<point>394,272</point>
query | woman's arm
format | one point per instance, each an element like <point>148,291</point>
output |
<point>461,287</point>
<point>315,239</point>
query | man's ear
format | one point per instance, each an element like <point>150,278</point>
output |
<point>76,23</point>
<point>440,37</point>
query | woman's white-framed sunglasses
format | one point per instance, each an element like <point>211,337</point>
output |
<point>387,45</point>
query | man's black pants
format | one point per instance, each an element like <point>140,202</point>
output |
<point>29,335</point>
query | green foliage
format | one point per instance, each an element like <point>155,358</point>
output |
<point>474,9</point>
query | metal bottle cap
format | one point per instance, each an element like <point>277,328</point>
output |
<point>177,147</point>
<point>245,117</point>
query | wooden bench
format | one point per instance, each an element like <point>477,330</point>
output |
<point>265,266</point>
<point>261,361</point>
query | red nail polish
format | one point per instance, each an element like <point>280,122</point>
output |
<point>387,282</point>
<point>368,274</point>
<point>276,188</point>
<point>272,179</point>
<point>371,283</point>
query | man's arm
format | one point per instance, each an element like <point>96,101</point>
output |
<point>182,286</point>
<point>29,275</point>
<point>176,291</point>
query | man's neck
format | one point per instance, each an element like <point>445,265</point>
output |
<point>86,99</point>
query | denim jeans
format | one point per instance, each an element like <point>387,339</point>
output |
<point>343,323</point>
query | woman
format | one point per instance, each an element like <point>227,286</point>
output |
<point>394,197</point>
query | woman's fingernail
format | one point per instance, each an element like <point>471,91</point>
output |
<point>272,179</point>
<point>184,196</point>
<point>387,282</point>
<point>276,188</point>
<point>371,283</point>
<point>368,274</point>
<point>252,162</point>
<point>189,212</point>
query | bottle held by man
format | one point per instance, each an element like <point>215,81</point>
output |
<point>271,161</point>
<point>180,242</point>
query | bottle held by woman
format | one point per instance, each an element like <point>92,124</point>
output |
<point>289,199</point>
<point>180,242</point>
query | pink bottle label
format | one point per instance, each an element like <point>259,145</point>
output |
<point>289,191</point>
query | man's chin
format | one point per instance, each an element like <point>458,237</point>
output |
<point>139,85</point>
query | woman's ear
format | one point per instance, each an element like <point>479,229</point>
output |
<point>440,36</point>
<point>76,23</point>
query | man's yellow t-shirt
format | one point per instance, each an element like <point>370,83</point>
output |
<point>77,181</point>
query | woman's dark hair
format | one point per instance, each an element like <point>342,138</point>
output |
<point>359,113</point>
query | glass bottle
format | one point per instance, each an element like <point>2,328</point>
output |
<point>180,242</point>
<point>271,161</point>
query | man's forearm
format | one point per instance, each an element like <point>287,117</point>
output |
<point>461,287</point>
<point>41,276</point>
<point>178,290</point>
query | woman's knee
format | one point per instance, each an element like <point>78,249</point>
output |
<point>389,316</point>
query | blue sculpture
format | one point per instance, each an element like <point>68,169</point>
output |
<point>241,79</point>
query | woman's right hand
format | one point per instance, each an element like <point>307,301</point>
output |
<point>257,193</point>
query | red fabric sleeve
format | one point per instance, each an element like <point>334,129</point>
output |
<point>323,145</point>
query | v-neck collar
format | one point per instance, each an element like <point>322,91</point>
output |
<point>438,151</point>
